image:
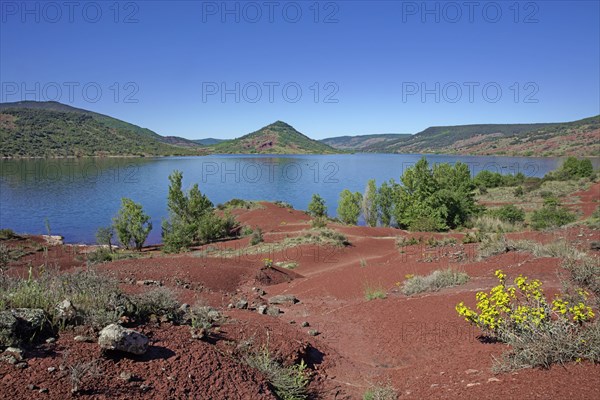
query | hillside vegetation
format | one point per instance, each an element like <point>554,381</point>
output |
<point>276,138</point>
<point>361,142</point>
<point>578,138</point>
<point>50,129</point>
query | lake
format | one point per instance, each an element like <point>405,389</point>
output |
<point>76,196</point>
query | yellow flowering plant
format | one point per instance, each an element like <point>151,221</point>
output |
<point>508,310</point>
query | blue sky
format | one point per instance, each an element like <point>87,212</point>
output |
<point>362,67</point>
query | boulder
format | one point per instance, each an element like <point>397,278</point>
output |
<point>31,323</point>
<point>283,299</point>
<point>8,329</point>
<point>115,337</point>
<point>273,311</point>
<point>65,311</point>
<point>242,304</point>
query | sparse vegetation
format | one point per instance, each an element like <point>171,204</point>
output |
<point>381,392</point>
<point>434,282</point>
<point>257,237</point>
<point>374,292</point>
<point>551,215</point>
<point>289,383</point>
<point>6,234</point>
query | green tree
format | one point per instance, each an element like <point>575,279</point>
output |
<point>104,236</point>
<point>317,207</point>
<point>385,202</point>
<point>349,206</point>
<point>369,203</point>
<point>455,192</point>
<point>132,224</point>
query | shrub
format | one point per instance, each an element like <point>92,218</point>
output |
<point>518,192</point>
<point>283,204</point>
<point>381,393</point>
<point>104,236</point>
<point>159,302</point>
<point>434,282</point>
<point>509,213</point>
<point>369,204</point>
<point>289,383</point>
<point>317,207</point>
<point>493,224</point>
<point>385,202</point>
<point>374,292</point>
<point>99,256</point>
<point>349,204</point>
<point>572,168</point>
<point>551,215</point>
<point>5,257</point>
<point>132,224</point>
<point>540,333</point>
<point>257,237</point>
<point>319,222</point>
<point>491,245</point>
<point>6,234</point>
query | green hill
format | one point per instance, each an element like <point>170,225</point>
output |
<point>361,142</point>
<point>207,141</point>
<point>277,138</point>
<point>579,138</point>
<point>51,129</point>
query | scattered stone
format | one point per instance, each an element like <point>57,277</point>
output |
<point>283,299</point>
<point>51,369</point>
<point>595,245</point>
<point>473,384</point>
<point>53,240</point>
<point>145,388</point>
<point>305,324</point>
<point>262,309</point>
<point>292,322</point>
<point>185,307</point>
<point>230,305</point>
<point>12,355</point>
<point>32,387</point>
<point>259,291</point>
<point>198,333</point>
<point>21,365</point>
<point>43,390</point>
<point>148,282</point>
<point>471,371</point>
<point>115,337</point>
<point>242,304</point>
<point>86,339</point>
<point>66,311</point>
<point>313,332</point>
<point>434,385</point>
<point>273,311</point>
<point>126,376</point>
<point>492,379</point>
<point>50,340</point>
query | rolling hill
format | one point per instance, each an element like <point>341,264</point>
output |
<point>51,129</point>
<point>361,142</point>
<point>578,138</point>
<point>207,141</point>
<point>276,138</point>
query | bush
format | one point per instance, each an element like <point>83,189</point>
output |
<point>540,333</point>
<point>317,207</point>
<point>493,224</point>
<point>159,302</point>
<point>319,222</point>
<point>257,237</point>
<point>551,215</point>
<point>434,282</point>
<point>289,383</point>
<point>132,225</point>
<point>6,234</point>
<point>381,393</point>
<point>372,293</point>
<point>349,204</point>
<point>509,213</point>
<point>99,256</point>
<point>572,168</point>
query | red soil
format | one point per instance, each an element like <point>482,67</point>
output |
<point>417,344</point>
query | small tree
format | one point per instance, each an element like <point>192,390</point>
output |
<point>132,224</point>
<point>104,236</point>
<point>348,209</point>
<point>369,203</point>
<point>317,207</point>
<point>385,202</point>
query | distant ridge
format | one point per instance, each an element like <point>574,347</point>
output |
<point>51,129</point>
<point>361,142</point>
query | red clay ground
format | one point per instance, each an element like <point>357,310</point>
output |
<point>417,344</point>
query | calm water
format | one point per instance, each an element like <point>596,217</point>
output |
<point>78,196</point>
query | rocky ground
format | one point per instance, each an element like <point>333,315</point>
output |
<point>418,345</point>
